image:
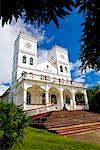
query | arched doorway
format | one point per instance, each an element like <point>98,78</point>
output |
<point>28,100</point>
<point>37,94</point>
<point>79,98</point>
<point>53,99</point>
<point>67,99</point>
<point>67,96</point>
<point>43,99</point>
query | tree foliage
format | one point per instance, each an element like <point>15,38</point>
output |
<point>94,99</point>
<point>12,123</point>
<point>79,98</point>
<point>42,11</point>
<point>45,11</point>
<point>90,39</point>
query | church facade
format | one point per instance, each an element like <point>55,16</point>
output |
<point>43,85</point>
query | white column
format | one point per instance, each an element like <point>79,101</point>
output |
<point>61,98</point>
<point>74,102</point>
<point>86,100</point>
<point>47,98</point>
<point>71,103</point>
<point>24,99</point>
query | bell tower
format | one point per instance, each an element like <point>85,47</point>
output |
<point>59,57</point>
<point>25,55</point>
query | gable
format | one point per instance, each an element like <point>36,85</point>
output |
<point>46,66</point>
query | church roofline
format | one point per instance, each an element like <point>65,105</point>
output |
<point>60,48</point>
<point>27,36</point>
<point>46,59</point>
<point>5,93</point>
<point>41,61</point>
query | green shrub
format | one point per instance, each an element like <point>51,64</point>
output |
<point>12,123</point>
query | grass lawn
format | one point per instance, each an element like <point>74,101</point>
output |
<point>36,139</point>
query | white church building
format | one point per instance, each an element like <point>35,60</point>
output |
<point>41,86</point>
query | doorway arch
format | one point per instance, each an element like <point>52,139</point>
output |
<point>67,95</point>
<point>53,99</point>
<point>43,99</point>
<point>53,95</point>
<point>79,98</point>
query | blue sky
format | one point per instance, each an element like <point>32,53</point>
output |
<point>67,36</point>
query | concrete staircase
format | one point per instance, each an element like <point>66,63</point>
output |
<point>76,129</point>
<point>67,122</point>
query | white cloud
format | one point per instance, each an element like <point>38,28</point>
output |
<point>42,54</point>
<point>87,85</point>
<point>80,79</point>
<point>77,74</point>
<point>75,65</point>
<point>39,33</point>
<point>97,83</point>
<point>97,73</point>
<point>3,88</point>
<point>8,34</point>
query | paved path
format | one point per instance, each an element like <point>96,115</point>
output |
<point>91,136</point>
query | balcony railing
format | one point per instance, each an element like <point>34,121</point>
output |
<point>47,78</point>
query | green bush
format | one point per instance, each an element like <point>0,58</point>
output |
<point>94,99</point>
<point>12,123</point>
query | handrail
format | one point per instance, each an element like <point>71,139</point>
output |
<point>40,107</point>
<point>35,104</point>
<point>40,110</point>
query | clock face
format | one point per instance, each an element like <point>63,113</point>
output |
<point>28,45</point>
<point>62,56</point>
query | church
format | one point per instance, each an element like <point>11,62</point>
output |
<point>39,86</point>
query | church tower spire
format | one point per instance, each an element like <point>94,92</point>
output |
<point>25,55</point>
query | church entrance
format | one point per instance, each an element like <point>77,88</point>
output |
<point>67,95</point>
<point>67,100</point>
<point>43,99</point>
<point>53,99</point>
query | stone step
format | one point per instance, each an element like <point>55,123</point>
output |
<point>76,129</point>
<point>67,122</point>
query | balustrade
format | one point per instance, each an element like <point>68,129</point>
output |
<point>40,110</point>
<point>49,79</point>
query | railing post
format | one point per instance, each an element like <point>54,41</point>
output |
<point>61,98</point>
<point>86,100</point>
<point>47,97</point>
<point>73,98</point>
<point>24,99</point>
<point>71,104</point>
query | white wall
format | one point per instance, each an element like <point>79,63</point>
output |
<point>43,67</point>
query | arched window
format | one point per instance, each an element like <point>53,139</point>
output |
<point>79,98</point>
<point>43,98</point>
<point>54,79</point>
<point>48,78</point>
<point>53,99</point>
<point>67,99</point>
<point>31,61</point>
<point>24,59</point>
<point>62,80</point>
<point>66,70</point>
<point>61,68</point>
<point>28,98</point>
